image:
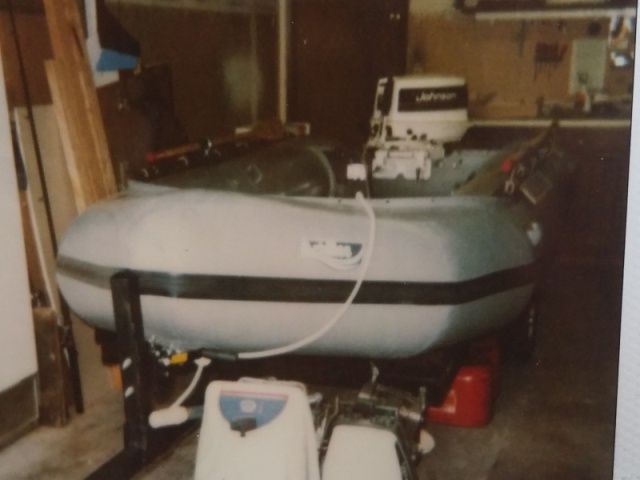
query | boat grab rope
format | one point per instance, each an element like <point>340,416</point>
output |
<point>338,315</point>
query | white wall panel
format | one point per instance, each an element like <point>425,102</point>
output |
<point>17,340</point>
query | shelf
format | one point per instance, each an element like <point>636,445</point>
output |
<point>536,9</point>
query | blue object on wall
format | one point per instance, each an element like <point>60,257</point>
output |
<point>111,60</point>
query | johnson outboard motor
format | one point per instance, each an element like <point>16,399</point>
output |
<point>414,117</point>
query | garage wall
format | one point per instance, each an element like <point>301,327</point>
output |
<point>338,51</point>
<point>223,64</point>
<point>34,42</point>
<point>222,67</point>
<point>498,58</point>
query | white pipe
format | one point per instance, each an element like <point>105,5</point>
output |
<point>542,122</point>
<point>283,47</point>
<point>555,14</point>
<point>254,67</point>
<point>221,6</point>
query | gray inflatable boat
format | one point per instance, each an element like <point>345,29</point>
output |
<point>300,246</point>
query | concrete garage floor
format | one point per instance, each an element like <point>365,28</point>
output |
<point>554,418</point>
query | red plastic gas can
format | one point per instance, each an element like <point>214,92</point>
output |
<point>469,401</point>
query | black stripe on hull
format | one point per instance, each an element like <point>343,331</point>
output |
<point>270,289</point>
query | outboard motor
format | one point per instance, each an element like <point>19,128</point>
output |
<point>413,118</point>
<point>420,108</point>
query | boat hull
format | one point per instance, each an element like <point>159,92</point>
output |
<point>240,273</point>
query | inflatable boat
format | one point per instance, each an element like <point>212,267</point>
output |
<point>300,246</point>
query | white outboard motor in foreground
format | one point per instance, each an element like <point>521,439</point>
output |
<point>273,430</point>
<point>256,429</point>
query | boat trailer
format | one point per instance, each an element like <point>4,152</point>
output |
<point>251,423</point>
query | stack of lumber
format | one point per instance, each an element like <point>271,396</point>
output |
<point>76,103</point>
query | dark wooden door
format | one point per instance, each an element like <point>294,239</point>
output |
<point>339,48</point>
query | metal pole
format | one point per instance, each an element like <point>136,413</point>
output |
<point>283,49</point>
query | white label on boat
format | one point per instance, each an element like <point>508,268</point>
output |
<point>339,255</point>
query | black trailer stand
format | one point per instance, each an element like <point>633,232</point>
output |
<point>142,444</point>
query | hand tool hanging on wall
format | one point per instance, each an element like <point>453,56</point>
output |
<point>548,54</point>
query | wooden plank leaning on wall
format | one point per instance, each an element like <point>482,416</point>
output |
<point>80,122</point>
<point>55,389</point>
<point>76,103</point>
<point>24,55</point>
<point>91,178</point>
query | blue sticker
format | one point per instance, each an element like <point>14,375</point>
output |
<point>259,407</point>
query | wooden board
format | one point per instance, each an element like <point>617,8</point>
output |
<point>37,282</point>
<point>54,388</point>
<point>95,378</point>
<point>53,383</point>
<point>53,162</point>
<point>37,217</point>
<point>77,107</point>
<point>70,143</point>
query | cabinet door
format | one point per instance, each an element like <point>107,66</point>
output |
<point>339,48</point>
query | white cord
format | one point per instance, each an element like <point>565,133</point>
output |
<point>201,363</point>
<point>320,332</point>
